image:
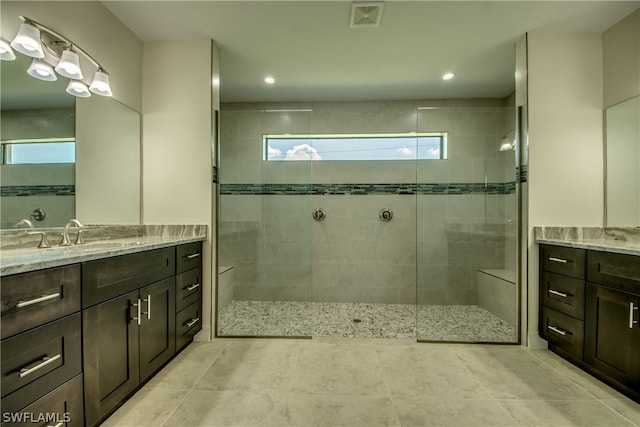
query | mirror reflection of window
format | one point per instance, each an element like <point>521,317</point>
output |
<point>31,152</point>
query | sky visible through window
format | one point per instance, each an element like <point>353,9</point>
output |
<point>40,153</point>
<point>355,147</point>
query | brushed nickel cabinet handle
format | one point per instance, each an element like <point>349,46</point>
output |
<point>196,255</point>
<point>558,293</point>
<point>632,309</point>
<point>45,361</point>
<point>192,322</point>
<point>560,260</point>
<point>192,287</point>
<point>21,304</point>
<point>138,306</point>
<point>557,330</point>
<point>148,312</point>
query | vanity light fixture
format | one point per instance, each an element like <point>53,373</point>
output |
<point>41,70</point>
<point>269,80</point>
<point>27,41</point>
<point>6,53</point>
<point>69,65</point>
<point>49,48</point>
<point>508,142</point>
<point>448,75</point>
<point>77,88</point>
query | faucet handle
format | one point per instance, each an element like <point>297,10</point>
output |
<point>79,238</point>
<point>44,242</point>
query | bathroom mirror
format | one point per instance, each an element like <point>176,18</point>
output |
<point>622,164</point>
<point>101,186</point>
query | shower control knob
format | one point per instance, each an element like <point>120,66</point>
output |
<point>319,214</point>
<point>386,215</point>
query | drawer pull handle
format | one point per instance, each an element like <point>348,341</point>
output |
<point>138,306</point>
<point>632,309</point>
<point>557,330</point>
<point>148,312</point>
<point>560,260</point>
<point>45,361</point>
<point>192,322</point>
<point>192,256</point>
<point>558,293</point>
<point>21,304</point>
<point>192,287</point>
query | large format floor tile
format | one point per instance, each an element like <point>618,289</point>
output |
<point>370,382</point>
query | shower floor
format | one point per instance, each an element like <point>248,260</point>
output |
<point>464,323</point>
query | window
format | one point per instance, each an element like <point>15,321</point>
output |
<point>398,146</point>
<point>38,152</point>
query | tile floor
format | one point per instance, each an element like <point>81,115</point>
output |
<point>460,323</point>
<point>368,382</point>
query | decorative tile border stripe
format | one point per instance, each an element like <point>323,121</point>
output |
<point>214,174</point>
<point>522,173</point>
<point>37,190</point>
<point>367,189</point>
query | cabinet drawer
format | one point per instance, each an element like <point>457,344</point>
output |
<point>188,288</point>
<point>37,361</point>
<point>32,299</point>
<point>188,323</point>
<point>616,270</point>
<point>562,293</point>
<point>188,256</point>
<point>62,405</point>
<point>564,331</point>
<point>562,260</point>
<point>107,278</point>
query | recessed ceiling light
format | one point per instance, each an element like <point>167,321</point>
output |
<point>448,76</point>
<point>269,80</point>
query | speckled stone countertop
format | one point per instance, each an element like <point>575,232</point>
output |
<point>19,252</point>
<point>608,239</point>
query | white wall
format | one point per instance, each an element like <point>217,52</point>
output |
<point>565,140</point>
<point>177,140</point>
<point>621,50</point>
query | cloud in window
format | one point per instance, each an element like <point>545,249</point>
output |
<point>405,151</point>
<point>303,152</point>
<point>273,153</point>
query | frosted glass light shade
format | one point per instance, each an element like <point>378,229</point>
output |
<point>41,70</point>
<point>6,53</point>
<point>100,84</point>
<point>69,65</point>
<point>79,89</point>
<point>27,41</point>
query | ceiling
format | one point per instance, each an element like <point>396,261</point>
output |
<point>314,55</point>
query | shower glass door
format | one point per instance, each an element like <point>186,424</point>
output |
<point>264,240</point>
<point>466,226</point>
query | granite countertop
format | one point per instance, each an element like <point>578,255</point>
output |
<point>624,240</point>
<point>113,241</point>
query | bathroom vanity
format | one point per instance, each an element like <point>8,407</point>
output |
<point>84,327</point>
<point>590,299</point>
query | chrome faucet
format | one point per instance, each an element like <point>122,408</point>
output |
<point>23,221</point>
<point>65,235</point>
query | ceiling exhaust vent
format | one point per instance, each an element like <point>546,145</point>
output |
<point>366,15</point>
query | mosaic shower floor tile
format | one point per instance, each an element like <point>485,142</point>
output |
<point>457,323</point>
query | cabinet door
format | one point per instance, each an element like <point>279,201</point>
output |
<point>110,344</point>
<point>157,328</point>
<point>612,344</point>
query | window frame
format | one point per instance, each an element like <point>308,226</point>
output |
<point>7,145</point>
<point>443,135</point>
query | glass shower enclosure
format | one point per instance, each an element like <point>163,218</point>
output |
<point>410,247</point>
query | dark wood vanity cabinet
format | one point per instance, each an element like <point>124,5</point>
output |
<point>130,336</point>
<point>589,312</point>
<point>41,347</point>
<point>78,340</point>
<point>612,342</point>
